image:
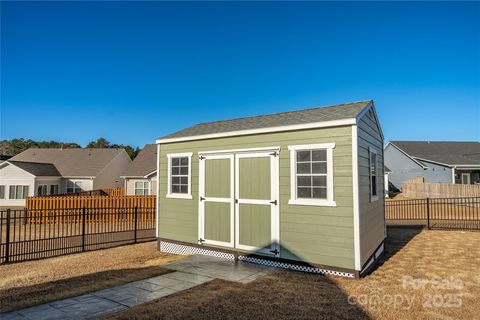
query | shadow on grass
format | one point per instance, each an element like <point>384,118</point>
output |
<point>397,238</point>
<point>22,297</point>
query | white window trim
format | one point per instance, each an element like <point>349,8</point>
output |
<point>370,151</point>
<point>148,187</point>
<point>187,195</point>
<point>329,202</point>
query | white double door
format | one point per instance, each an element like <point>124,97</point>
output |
<point>239,201</point>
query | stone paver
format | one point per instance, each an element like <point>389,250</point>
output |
<point>188,273</point>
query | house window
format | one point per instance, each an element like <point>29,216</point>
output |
<point>179,175</point>
<point>373,175</point>
<point>142,188</point>
<point>74,186</point>
<point>2,192</point>
<point>311,174</point>
<point>54,189</point>
<point>42,190</point>
<point>18,192</point>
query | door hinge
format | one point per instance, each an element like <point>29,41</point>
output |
<point>201,157</point>
<point>275,252</point>
<point>275,153</point>
<point>236,200</point>
<point>274,202</point>
<point>202,198</point>
<point>201,240</point>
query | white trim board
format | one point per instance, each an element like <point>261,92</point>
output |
<point>313,125</point>
<point>356,200</point>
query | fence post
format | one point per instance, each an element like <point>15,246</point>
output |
<point>428,213</point>
<point>84,212</point>
<point>7,248</point>
<point>136,215</point>
<point>25,215</point>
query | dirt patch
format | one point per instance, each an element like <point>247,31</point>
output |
<point>29,283</point>
<point>449,259</point>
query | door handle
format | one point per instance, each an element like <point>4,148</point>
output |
<point>274,202</point>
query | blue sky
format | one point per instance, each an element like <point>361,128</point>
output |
<point>132,72</point>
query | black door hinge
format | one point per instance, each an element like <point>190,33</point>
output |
<point>236,200</point>
<point>274,154</point>
<point>201,240</point>
<point>274,202</point>
<point>201,157</point>
<point>202,198</point>
<point>275,252</point>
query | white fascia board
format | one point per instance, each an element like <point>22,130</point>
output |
<point>314,125</point>
<point>413,159</point>
<point>140,177</point>
<point>365,110</point>
<point>7,162</point>
<point>434,162</point>
<point>467,166</point>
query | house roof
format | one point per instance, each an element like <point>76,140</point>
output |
<point>74,162</point>
<point>444,152</point>
<point>386,169</point>
<point>297,117</point>
<point>37,169</point>
<point>144,163</point>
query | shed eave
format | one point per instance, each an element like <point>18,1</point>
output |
<point>313,125</point>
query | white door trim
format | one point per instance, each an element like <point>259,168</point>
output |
<point>274,196</point>
<point>202,200</point>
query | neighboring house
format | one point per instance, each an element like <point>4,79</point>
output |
<point>56,171</point>
<point>387,173</point>
<point>300,189</point>
<point>436,161</point>
<point>141,175</point>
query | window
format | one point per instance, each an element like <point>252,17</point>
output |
<point>311,174</point>
<point>373,175</point>
<point>179,175</point>
<point>2,192</point>
<point>54,189</point>
<point>18,192</point>
<point>42,190</point>
<point>74,186</point>
<point>142,188</point>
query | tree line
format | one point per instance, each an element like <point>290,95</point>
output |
<point>15,146</point>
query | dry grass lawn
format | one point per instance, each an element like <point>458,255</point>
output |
<point>29,283</point>
<point>424,275</point>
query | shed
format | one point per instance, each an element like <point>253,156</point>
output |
<point>301,190</point>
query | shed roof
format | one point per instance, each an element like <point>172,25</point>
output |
<point>297,117</point>
<point>446,152</point>
<point>74,162</point>
<point>144,163</point>
<point>37,169</point>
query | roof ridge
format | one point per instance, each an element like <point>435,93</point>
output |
<point>284,112</point>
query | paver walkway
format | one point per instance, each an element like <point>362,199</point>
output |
<point>189,272</point>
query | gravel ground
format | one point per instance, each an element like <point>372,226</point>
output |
<point>34,282</point>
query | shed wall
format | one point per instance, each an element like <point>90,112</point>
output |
<point>314,234</point>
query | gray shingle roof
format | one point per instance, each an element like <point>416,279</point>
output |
<point>305,116</point>
<point>447,152</point>
<point>387,169</point>
<point>37,169</point>
<point>144,163</point>
<point>73,162</point>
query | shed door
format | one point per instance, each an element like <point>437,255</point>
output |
<point>216,200</point>
<point>256,204</point>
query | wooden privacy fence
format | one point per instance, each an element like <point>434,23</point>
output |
<point>99,192</point>
<point>418,189</point>
<point>103,208</point>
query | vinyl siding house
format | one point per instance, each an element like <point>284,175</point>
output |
<point>141,176</point>
<point>300,189</point>
<point>436,162</point>
<point>56,171</point>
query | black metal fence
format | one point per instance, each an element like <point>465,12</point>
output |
<point>435,213</point>
<point>42,233</point>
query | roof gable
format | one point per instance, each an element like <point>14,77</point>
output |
<point>36,169</point>
<point>144,163</point>
<point>75,162</point>
<point>275,121</point>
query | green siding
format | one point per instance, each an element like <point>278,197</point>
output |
<point>217,221</point>
<point>255,225</point>
<point>322,235</point>
<point>372,221</point>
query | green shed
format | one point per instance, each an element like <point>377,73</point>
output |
<point>300,190</point>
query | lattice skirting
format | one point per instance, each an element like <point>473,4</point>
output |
<point>176,248</point>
